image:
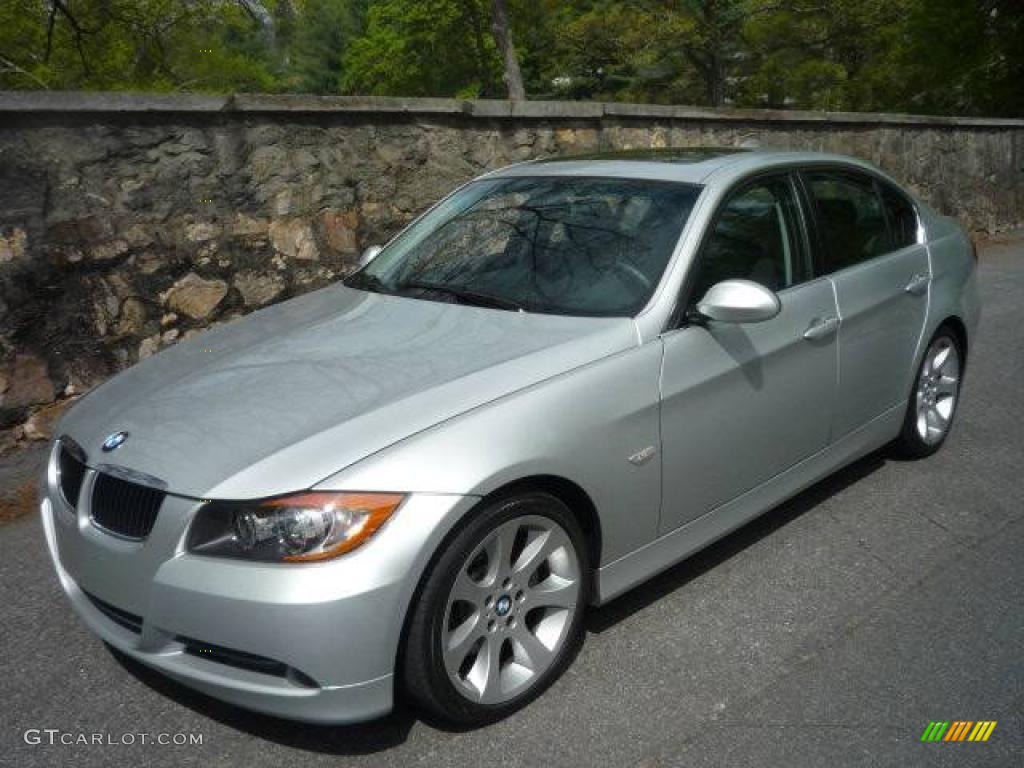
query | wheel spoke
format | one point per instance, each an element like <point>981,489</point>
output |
<point>922,422</point>
<point>926,366</point>
<point>537,550</point>
<point>536,655</point>
<point>555,591</point>
<point>461,641</point>
<point>947,384</point>
<point>491,690</point>
<point>496,549</point>
<point>940,357</point>
<point>467,590</point>
<point>476,677</point>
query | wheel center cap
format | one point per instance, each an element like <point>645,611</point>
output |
<point>503,605</point>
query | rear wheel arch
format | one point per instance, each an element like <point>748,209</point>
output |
<point>959,330</point>
<point>956,326</point>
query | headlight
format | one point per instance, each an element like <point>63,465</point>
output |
<point>296,528</point>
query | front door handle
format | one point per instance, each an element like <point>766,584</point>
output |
<point>821,328</point>
<point>917,286</point>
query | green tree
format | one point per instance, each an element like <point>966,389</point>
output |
<point>321,41</point>
<point>424,48</point>
<point>941,56</point>
<point>715,42</point>
<point>615,51</point>
<point>962,58</point>
<point>835,54</point>
<point>132,44</point>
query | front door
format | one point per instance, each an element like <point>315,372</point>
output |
<point>743,402</point>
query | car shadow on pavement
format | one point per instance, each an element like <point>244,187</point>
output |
<point>393,730</point>
<point>677,576</point>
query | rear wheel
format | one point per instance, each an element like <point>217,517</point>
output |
<point>934,398</point>
<point>500,614</point>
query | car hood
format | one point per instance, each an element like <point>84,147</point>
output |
<point>289,395</point>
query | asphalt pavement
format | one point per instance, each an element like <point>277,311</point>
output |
<point>831,631</point>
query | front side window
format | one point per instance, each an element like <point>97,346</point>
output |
<point>556,244</point>
<point>756,236</point>
<point>850,217</point>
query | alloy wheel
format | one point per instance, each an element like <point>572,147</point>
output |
<point>510,609</point>
<point>937,389</point>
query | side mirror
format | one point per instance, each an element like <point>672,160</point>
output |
<point>369,254</point>
<point>739,301</point>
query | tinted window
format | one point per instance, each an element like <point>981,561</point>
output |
<point>850,217</point>
<point>902,218</point>
<point>586,246</point>
<point>757,237</point>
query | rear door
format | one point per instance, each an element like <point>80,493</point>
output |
<point>868,239</point>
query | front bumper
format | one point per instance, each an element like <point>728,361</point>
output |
<point>315,642</point>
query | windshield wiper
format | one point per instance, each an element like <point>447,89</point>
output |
<point>465,295</point>
<point>366,281</point>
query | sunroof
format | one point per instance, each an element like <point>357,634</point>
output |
<point>670,155</point>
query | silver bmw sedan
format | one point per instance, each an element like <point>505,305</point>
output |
<point>560,380</point>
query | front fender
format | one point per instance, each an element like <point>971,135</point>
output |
<point>583,425</point>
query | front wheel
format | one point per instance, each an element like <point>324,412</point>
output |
<point>934,398</point>
<point>500,614</point>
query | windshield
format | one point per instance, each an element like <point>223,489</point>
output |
<point>556,244</point>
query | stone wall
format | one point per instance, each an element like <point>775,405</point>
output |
<point>129,222</point>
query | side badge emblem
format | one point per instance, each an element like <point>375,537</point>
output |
<point>114,441</point>
<point>640,457</point>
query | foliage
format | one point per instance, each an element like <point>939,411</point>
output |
<point>937,56</point>
<point>322,40</point>
<point>158,45</point>
<point>424,48</point>
<point>964,58</point>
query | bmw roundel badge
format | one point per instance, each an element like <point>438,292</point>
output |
<point>114,441</point>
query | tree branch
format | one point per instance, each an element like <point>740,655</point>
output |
<point>503,37</point>
<point>49,32</point>
<point>15,68</point>
<point>60,5</point>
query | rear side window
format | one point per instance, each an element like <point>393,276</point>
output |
<point>850,218</point>
<point>902,218</point>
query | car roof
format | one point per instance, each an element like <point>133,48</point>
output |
<point>692,165</point>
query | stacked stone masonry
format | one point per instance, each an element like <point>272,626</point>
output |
<point>130,222</point>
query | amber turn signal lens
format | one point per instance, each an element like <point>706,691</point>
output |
<point>355,518</point>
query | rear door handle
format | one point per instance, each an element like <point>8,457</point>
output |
<point>917,286</point>
<point>821,328</point>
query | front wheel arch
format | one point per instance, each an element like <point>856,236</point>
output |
<point>419,674</point>
<point>569,493</point>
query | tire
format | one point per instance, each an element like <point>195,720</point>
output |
<point>933,399</point>
<point>490,632</point>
